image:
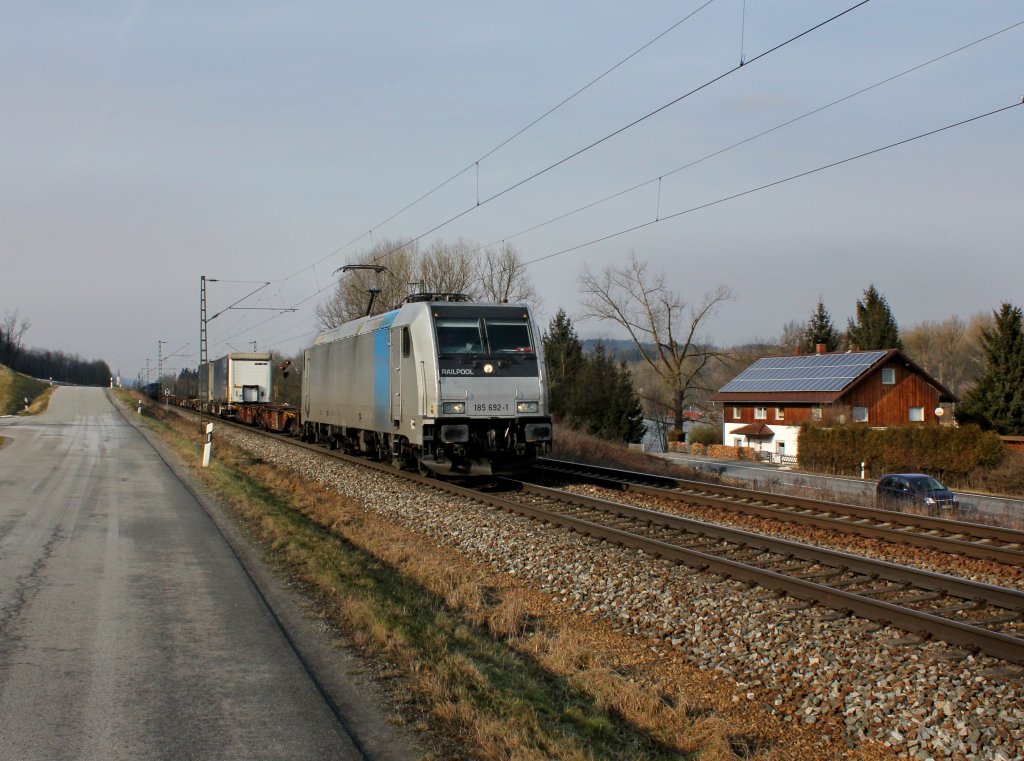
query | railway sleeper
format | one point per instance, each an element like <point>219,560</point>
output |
<point>886,590</point>
<point>922,597</point>
<point>859,579</point>
<point>827,574</point>
<point>963,606</point>
<point>991,620</point>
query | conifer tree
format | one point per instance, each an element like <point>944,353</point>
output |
<point>996,402</point>
<point>875,326</point>
<point>590,397</point>
<point>820,330</point>
<point>624,415</point>
<point>563,357</point>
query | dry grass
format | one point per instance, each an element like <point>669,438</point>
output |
<point>40,404</point>
<point>16,387</point>
<point>493,667</point>
<point>579,447</point>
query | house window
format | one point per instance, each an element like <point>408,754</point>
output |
<point>735,413</point>
<point>760,413</point>
<point>737,441</point>
<point>916,415</point>
<point>860,414</point>
<point>780,413</point>
<point>888,376</point>
<point>815,413</point>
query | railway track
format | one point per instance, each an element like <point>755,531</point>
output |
<point>942,534</point>
<point>969,614</point>
<point>976,616</point>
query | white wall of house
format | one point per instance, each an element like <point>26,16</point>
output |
<point>784,441</point>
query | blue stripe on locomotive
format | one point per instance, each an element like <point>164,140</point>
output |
<point>382,374</point>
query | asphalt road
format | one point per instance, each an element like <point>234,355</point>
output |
<point>128,627</point>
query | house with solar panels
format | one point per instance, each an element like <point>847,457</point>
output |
<point>765,405</point>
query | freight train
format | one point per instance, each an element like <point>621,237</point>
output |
<point>441,385</point>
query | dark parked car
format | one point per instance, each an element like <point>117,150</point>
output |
<point>897,489</point>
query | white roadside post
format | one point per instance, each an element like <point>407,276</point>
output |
<point>208,445</point>
<point>863,468</point>
<point>139,411</point>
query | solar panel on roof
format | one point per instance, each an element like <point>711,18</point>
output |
<point>812,372</point>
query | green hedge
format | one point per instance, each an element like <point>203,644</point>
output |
<point>943,451</point>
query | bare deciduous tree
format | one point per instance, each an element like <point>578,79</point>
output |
<point>12,332</point>
<point>449,268</point>
<point>950,350</point>
<point>663,327</point>
<point>352,293</point>
<point>792,338</point>
<point>503,276</point>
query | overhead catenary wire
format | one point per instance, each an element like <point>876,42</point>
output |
<point>509,139</point>
<point>630,125</point>
<point>659,217</point>
<point>773,184</point>
<point>766,186</point>
<point>752,138</point>
<point>594,144</point>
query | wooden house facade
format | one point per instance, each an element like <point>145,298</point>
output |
<point>765,405</point>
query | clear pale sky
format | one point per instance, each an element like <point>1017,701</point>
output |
<point>143,145</point>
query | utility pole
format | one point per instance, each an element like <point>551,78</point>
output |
<point>160,362</point>
<point>204,382</point>
<point>202,333</point>
<point>202,351</point>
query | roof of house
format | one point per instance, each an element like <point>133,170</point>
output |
<point>815,378</point>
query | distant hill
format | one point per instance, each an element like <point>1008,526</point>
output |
<point>623,349</point>
<point>15,388</point>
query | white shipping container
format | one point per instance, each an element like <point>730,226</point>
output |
<point>240,378</point>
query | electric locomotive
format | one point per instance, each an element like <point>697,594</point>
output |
<point>441,384</point>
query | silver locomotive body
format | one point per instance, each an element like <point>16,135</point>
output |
<point>452,388</point>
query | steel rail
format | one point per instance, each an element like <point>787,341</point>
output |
<point>927,624</point>
<point>955,537</point>
<point>997,644</point>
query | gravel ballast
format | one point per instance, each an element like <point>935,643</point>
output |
<point>811,666</point>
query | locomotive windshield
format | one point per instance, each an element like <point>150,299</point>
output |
<point>459,337</point>
<point>508,336</point>
<point>483,336</point>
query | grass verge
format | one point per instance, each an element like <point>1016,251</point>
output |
<point>465,650</point>
<point>15,388</point>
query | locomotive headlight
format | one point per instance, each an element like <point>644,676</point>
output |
<point>453,408</point>
<point>488,368</point>
<point>527,407</point>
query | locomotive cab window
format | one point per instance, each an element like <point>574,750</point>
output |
<point>458,336</point>
<point>508,336</point>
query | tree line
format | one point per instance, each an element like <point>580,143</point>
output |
<point>679,366</point>
<point>46,363</point>
<point>981,361</point>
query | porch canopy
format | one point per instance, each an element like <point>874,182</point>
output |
<point>753,431</point>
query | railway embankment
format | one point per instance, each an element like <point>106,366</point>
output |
<point>18,391</point>
<point>733,668</point>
